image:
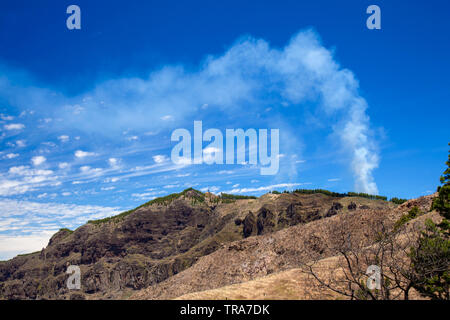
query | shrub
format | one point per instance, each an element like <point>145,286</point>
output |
<point>412,214</point>
<point>398,200</point>
<point>235,197</point>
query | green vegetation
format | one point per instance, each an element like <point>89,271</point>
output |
<point>412,214</point>
<point>430,261</point>
<point>322,191</point>
<point>340,195</point>
<point>27,254</point>
<point>442,202</point>
<point>398,200</point>
<point>66,230</point>
<point>431,257</point>
<point>366,195</point>
<point>224,196</point>
<point>230,198</point>
<point>196,195</point>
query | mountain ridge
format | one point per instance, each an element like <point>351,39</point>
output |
<point>147,245</point>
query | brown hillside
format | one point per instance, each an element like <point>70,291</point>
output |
<point>260,256</point>
<point>144,247</point>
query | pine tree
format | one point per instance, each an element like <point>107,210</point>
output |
<point>431,257</point>
<point>442,202</point>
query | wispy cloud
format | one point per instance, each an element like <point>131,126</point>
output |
<point>160,158</point>
<point>10,156</point>
<point>38,160</point>
<point>63,138</point>
<point>22,179</point>
<point>266,188</point>
<point>84,154</point>
<point>31,224</point>
<point>236,83</point>
<point>14,126</point>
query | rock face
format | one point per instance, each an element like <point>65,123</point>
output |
<point>249,225</point>
<point>153,243</point>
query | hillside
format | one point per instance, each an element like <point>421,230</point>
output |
<point>291,284</point>
<point>189,242</point>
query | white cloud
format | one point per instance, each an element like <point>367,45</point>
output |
<point>63,165</point>
<point>14,126</point>
<point>209,154</point>
<point>20,143</point>
<point>182,175</point>
<point>87,170</point>
<point>5,117</point>
<point>38,160</point>
<point>334,179</point>
<point>133,138</point>
<point>29,225</point>
<point>13,187</point>
<point>160,158</point>
<point>83,154</point>
<point>265,188</point>
<point>212,189</point>
<point>144,196</point>
<point>167,118</point>
<point>11,156</point>
<point>22,179</point>
<point>63,138</point>
<point>11,246</point>
<point>225,172</point>
<point>301,72</point>
<point>114,163</point>
<point>49,144</point>
<point>107,188</point>
<point>171,186</point>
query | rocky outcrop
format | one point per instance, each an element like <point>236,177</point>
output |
<point>352,206</point>
<point>249,224</point>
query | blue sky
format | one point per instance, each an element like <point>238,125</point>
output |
<point>86,115</point>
